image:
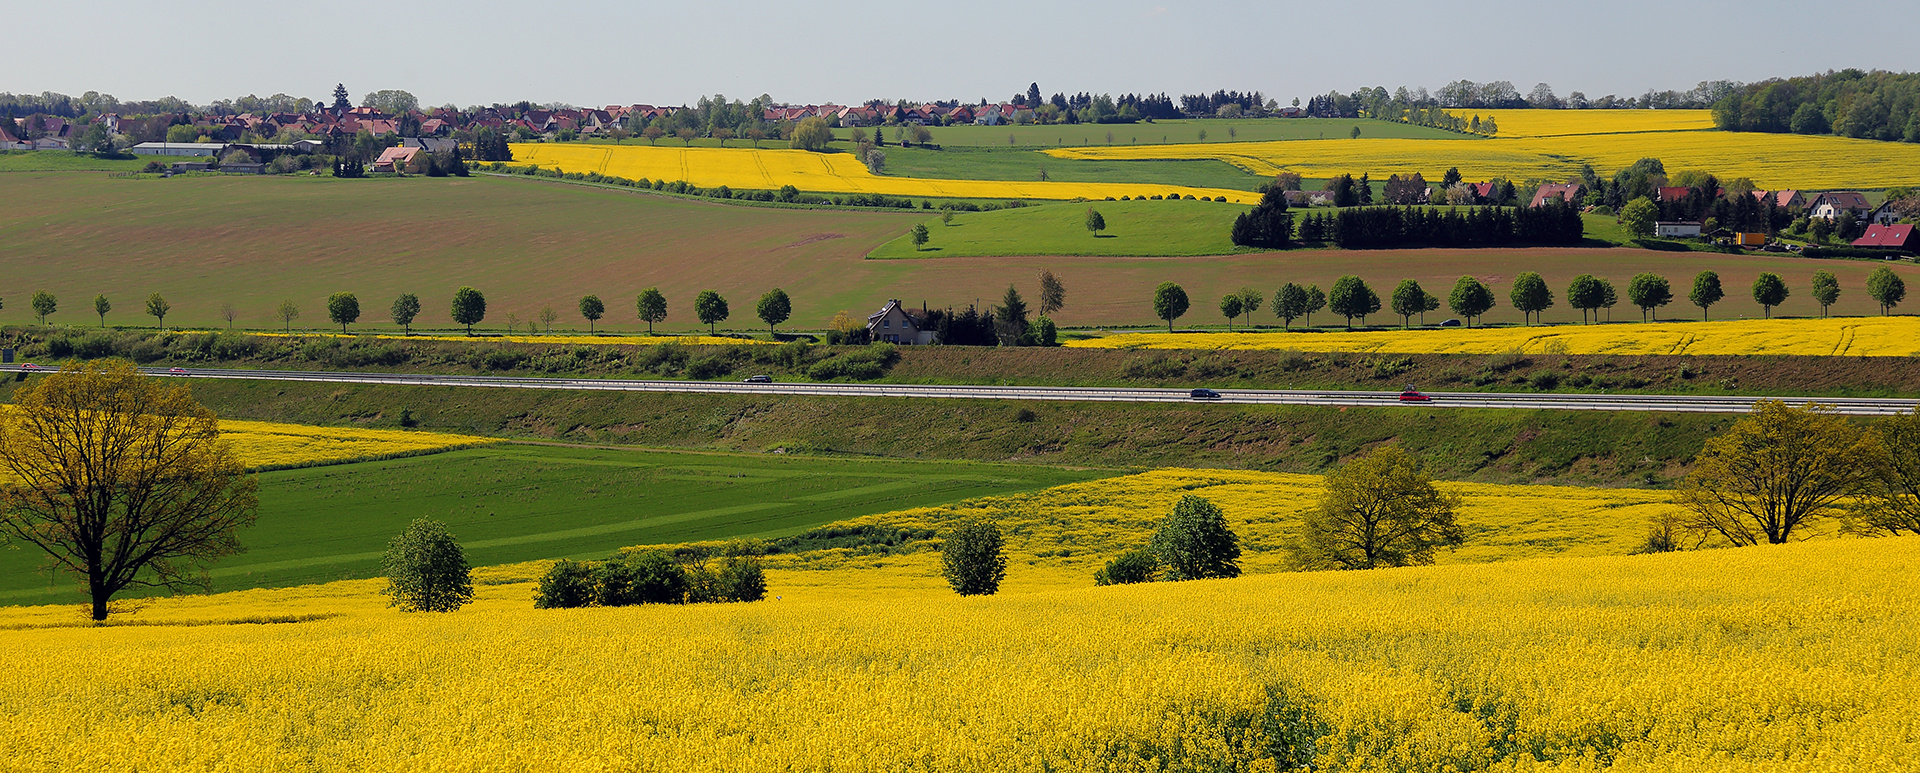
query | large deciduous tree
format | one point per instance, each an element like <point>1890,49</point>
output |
<point>1769,290</point>
<point>469,307</point>
<point>122,480</point>
<point>774,308</point>
<point>1470,298</point>
<point>971,557</point>
<point>1885,287</point>
<point>1706,291</point>
<point>1379,510</point>
<point>1776,470</point>
<point>812,134</point>
<point>1649,291</point>
<point>652,307</point>
<point>1289,304</point>
<point>711,309</point>
<point>344,309</point>
<point>426,569</point>
<point>592,309</point>
<point>1169,302</point>
<point>1530,295</point>
<point>1351,297</point>
<point>405,308</point>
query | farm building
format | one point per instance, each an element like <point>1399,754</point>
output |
<point>1893,237</point>
<point>894,325</point>
<point>1828,206</point>
<point>178,148</point>
<point>1676,229</point>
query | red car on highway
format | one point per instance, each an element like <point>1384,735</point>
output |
<point>1411,395</point>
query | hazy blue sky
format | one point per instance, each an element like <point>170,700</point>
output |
<point>597,53</point>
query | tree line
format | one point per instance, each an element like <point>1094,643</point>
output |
<point>1875,105</point>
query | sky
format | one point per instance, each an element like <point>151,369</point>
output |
<point>590,52</point>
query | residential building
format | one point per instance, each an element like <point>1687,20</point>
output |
<point>400,160</point>
<point>178,148</point>
<point>1570,193</point>
<point>1676,229</point>
<point>1894,237</point>
<point>1828,206</point>
<point>894,325</point>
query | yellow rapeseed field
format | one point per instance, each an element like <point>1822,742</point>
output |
<point>1547,147</point>
<point>269,445</point>
<point>769,169</point>
<point>1849,336</point>
<point>1777,658</point>
<point>1561,123</point>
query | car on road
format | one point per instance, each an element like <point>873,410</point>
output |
<point>1411,395</point>
<point>1203,394</point>
<point>757,380</point>
<point>176,371</point>
<point>29,366</point>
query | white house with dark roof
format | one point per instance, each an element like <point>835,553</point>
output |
<point>1828,206</point>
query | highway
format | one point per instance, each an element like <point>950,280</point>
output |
<point>1324,398</point>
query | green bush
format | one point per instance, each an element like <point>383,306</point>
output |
<point>655,578</point>
<point>1136,565</point>
<point>1195,543</point>
<point>710,367</point>
<point>972,560</point>
<point>566,585</point>
<point>1544,380</point>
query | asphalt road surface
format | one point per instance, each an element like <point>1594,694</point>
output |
<point>1327,398</point>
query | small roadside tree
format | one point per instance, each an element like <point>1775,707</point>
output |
<point>1408,299</point>
<point>229,313</point>
<point>1053,293</point>
<point>547,317</point>
<point>652,307</point>
<point>122,479</point>
<point>1351,297</point>
<point>1638,216</point>
<point>1169,302</point>
<point>1883,286</point>
<point>1586,294</point>
<point>44,305</point>
<point>1470,298</point>
<point>157,307</point>
<point>774,308</point>
<point>592,309</point>
<point>1774,471</point>
<point>1706,291</point>
<point>343,309</point>
<point>287,311</point>
<point>1649,291</point>
<point>971,558</point>
<point>1194,542</point>
<point>469,307</point>
<point>1530,295</point>
<point>1250,302</point>
<point>101,306</point>
<point>1769,291</point>
<point>403,310</point>
<point>1379,510</point>
<point>1826,290</point>
<point>1230,308</point>
<point>711,309</point>
<point>920,236</point>
<point>426,569</point>
<point>1316,300</point>
<point>1289,304</point>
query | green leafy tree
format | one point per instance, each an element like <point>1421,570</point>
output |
<point>157,307</point>
<point>812,134</point>
<point>646,577</point>
<point>565,585</point>
<point>1638,217</point>
<point>426,569</point>
<point>652,307</point>
<point>1706,291</point>
<point>343,309</point>
<point>1136,565</point>
<point>287,311</point>
<point>1649,291</point>
<point>1408,299</point>
<point>1351,297</point>
<point>1230,308</point>
<point>1169,302</point>
<point>1470,298</point>
<point>1095,222</point>
<point>1883,286</point>
<point>121,479</point>
<point>101,306</point>
<point>1316,301</point>
<point>592,309</point>
<point>1530,295</point>
<point>1891,504</point>
<point>1195,543</point>
<point>1379,510</point>
<point>1010,319</point>
<point>920,236</point>
<point>1053,293</point>
<point>972,560</point>
<point>44,305</point>
<point>711,309</point>
<point>1289,304</point>
<point>1250,302</point>
<point>1769,290</point>
<point>774,308</point>
<point>469,307</point>
<point>1586,293</point>
<point>405,308</point>
<point>1826,290</point>
<point>1775,471</point>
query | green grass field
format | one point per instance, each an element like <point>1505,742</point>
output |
<point>529,243</point>
<point>1172,228</point>
<point>1177,131</point>
<point>992,164</point>
<point>515,503</point>
<point>67,161</point>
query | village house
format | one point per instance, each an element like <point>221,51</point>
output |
<point>1893,237</point>
<point>1676,229</point>
<point>894,325</point>
<point>401,159</point>
<point>1570,193</point>
<point>1828,206</point>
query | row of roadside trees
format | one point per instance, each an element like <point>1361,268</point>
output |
<point>1351,297</point>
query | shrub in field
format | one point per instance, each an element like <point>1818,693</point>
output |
<point>426,569</point>
<point>1195,543</point>
<point>1136,565</point>
<point>650,577</point>
<point>567,584</point>
<point>971,558</point>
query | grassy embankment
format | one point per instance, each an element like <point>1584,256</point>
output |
<point>512,503</point>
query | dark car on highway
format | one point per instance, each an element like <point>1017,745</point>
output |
<point>1204,394</point>
<point>757,380</point>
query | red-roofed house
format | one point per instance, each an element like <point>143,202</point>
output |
<point>1570,193</point>
<point>1671,193</point>
<point>400,160</point>
<point>1828,206</point>
<point>1782,199</point>
<point>1894,237</point>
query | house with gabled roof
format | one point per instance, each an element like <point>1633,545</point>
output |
<point>400,159</point>
<point>894,325</point>
<point>1893,237</point>
<point>1570,193</point>
<point>1829,205</point>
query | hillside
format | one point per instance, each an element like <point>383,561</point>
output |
<point>253,242</point>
